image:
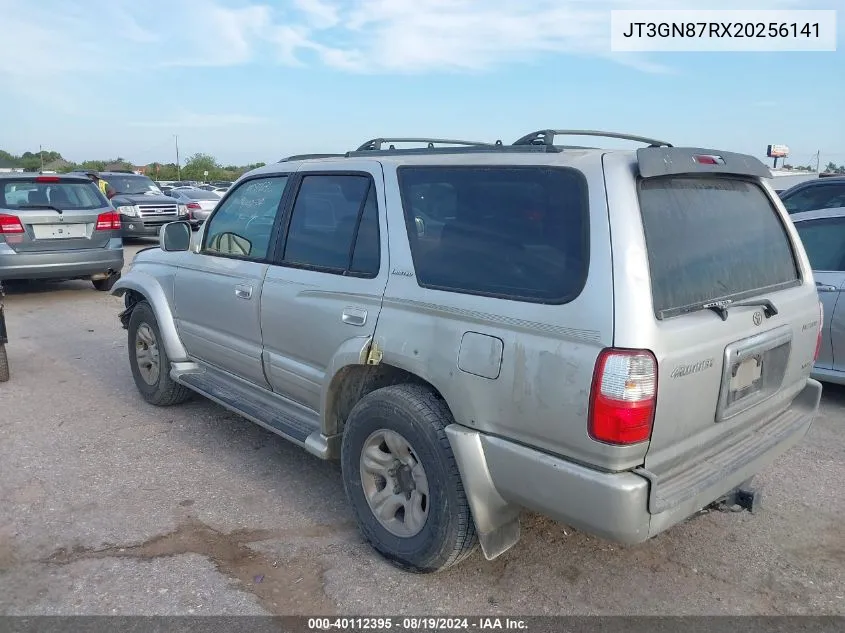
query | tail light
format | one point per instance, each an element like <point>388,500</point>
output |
<point>10,224</point>
<point>194,205</point>
<point>46,179</point>
<point>623,396</point>
<point>819,336</point>
<point>109,221</point>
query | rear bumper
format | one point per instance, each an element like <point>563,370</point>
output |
<point>616,506</point>
<point>61,264</point>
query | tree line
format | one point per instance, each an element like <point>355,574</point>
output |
<point>195,166</point>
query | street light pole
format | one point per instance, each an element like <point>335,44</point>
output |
<point>178,168</point>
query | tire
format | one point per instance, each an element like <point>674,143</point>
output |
<point>419,417</point>
<point>155,387</point>
<point>104,285</point>
<point>4,364</point>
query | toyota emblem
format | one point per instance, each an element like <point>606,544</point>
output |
<point>757,318</point>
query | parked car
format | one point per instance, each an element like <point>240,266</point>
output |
<point>823,193</point>
<point>198,203</point>
<point>58,227</point>
<point>474,330</point>
<point>823,235</point>
<point>142,206</point>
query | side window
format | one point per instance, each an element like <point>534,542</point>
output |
<point>824,241</point>
<point>519,233</point>
<point>334,225</point>
<point>243,225</point>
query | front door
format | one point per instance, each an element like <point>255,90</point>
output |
<point>824,241</point>
<point>325,294</point>
<point>218,289</point>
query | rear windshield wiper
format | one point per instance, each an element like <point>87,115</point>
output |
<point>40,206</point>
<point>721,307</point>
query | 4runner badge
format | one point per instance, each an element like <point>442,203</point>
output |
<point>693,368</point>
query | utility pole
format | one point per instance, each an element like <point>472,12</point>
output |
<point>818,155</point>
<point>178,168</point>
<point>41,154</point>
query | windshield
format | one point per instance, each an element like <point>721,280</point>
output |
<point>67,196</point>
<point>132,185</point>
<point>815,197</point>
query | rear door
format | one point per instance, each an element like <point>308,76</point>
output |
<point>823,237</point>
<point>325,294</point>
<point>53,213</point>
<point>710,237</point>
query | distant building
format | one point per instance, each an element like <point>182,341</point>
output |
<point>58,165</point>
<point>783,179</point>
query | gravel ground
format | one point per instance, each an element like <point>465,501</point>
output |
<point>111,506</point>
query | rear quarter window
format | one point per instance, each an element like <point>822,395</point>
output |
<point>517,233</point>
<point>712,239</point>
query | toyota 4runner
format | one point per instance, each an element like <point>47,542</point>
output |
<point>615,339</point>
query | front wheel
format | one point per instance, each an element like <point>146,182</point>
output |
<point>149,362</point>
<point>4,364</point>
<point>402,480</point>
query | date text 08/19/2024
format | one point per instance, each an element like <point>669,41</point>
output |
<point>417,623</point>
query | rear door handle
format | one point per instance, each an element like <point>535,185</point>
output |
<point>243,292</point>
<point>826,288</point>
<point>354,316</point>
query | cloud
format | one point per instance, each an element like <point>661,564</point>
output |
<point>362,36</point>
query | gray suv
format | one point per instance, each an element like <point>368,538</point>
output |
<point>58,227</point>
<point>615,339</point>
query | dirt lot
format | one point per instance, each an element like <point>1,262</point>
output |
<point>111,506</point>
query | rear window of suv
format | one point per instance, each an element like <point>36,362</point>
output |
<point>518,233</point>
<point>67,196</point>
<point>711,239</point>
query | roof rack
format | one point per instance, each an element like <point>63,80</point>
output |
<point>307,156</point>
<point>376,143</point>
<point>547,137</point>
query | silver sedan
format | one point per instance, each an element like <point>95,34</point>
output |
<point>198,202</point>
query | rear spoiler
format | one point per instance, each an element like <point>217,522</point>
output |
<point>670,161</point>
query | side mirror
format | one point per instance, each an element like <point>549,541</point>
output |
<point>175,236</point>
<point>420,226</point>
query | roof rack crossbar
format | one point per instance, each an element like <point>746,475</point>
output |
<point>472,149</point>
<point>547,137</point>
<point>376,143</point>
<point>307,156</point>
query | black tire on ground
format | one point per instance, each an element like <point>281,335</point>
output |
<point>164,392</point>
<point>4,364</point>
<point>419,416</point>
<point>104,285</point>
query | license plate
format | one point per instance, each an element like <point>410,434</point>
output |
<point>58,231</point>
<point>746,378</point>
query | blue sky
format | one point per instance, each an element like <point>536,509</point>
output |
<point>250,80</point>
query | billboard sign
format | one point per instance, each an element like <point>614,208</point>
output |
<point>777,151</point>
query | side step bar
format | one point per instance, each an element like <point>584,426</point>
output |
<point>276,414</point>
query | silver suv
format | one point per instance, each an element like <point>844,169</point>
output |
<point>615,339</point>
<point>58,227</point>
